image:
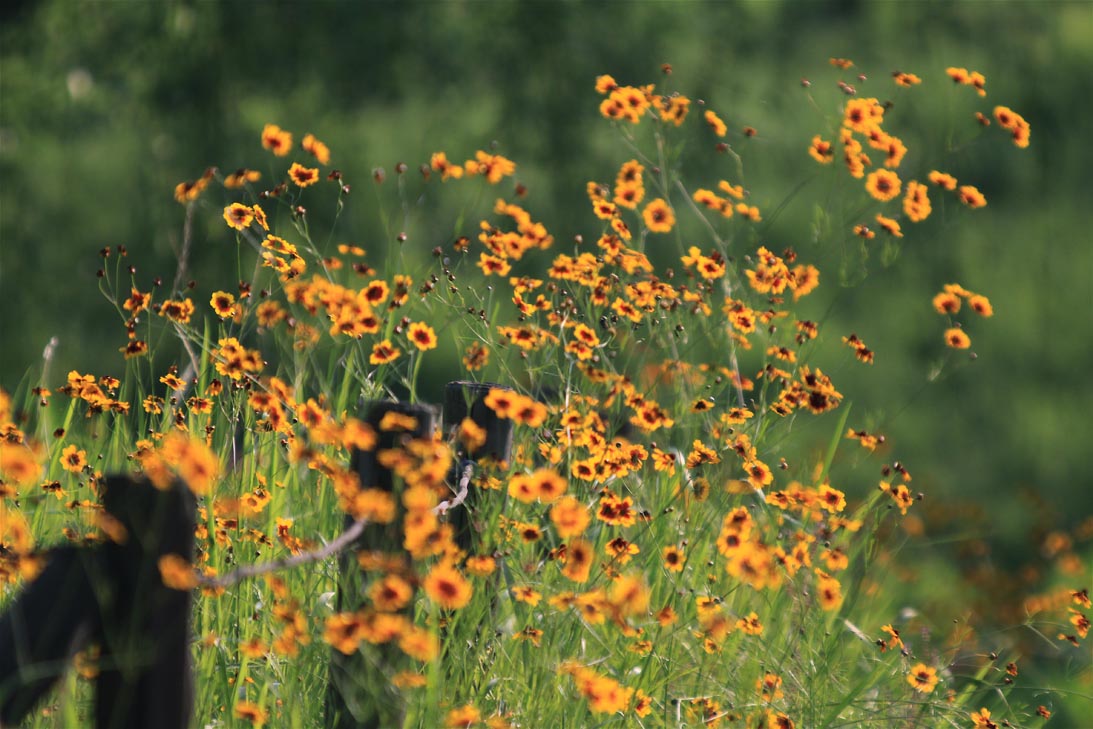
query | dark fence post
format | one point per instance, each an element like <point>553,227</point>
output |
<point>359,693</point>
<point>145,677</point>
<point>464,399</point>
<point>111,594</point>
<point>50,621</point>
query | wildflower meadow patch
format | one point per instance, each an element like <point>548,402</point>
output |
<point>643,501</point>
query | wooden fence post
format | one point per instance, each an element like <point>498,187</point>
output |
<point>359,693</point>
<point>111,595</point>
<point>464,399</point>
<point>52,619</point>
<point>145,677</point>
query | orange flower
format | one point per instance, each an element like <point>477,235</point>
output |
<point>981,305</point>
<point>863,115</point>
<point>604,209</point>
<point>621,551</point>
<point>821,151</point>
<point>303,176</point>
<point>1007,118</point>
<point>829,591</point>
<point>570,517</point>
<point>439,163</point>
<point>922,678</point>
<point>942,180</point>
<point>605,84</point>
<point>177,311</point>
<point>173,381</point>
<point>422,336</point>
<point>522,489</point>
<point>629,195</point>
<point>134,349</point>
<point>252,712</point>
<point>238,216</point>
<point>673,559</point>
<point>223,304</point>
<point>578,564</point>
<point>195,462</point>
<point>492,166</point>
<point>916,203</point>
<point>864,232</point>
<point>831,500</point>
<point>316,149</point>
<point>383,352</point>
<point>982,719</point>
<point>882,184</point>
<point>344,631</point>
<point>616,511</point>
<point>501,401</point>
<point>419,643</point>
<point>493,265</point>
<point>958,290</point>
<point>189,191</point>
<point>629,173</point>
<point>177,573</point>
<point>476,357</point>
<point>751,212</point>
<point>890,226</point>
<point>626,102</point>
<point>390,594</point>
<point>971,197</point>
<point>1021,136</point>
<point>276,140</point>
<point>957,339</point>
<point>629,595</point>
<point>463,716</point>
<point>977,81</point>
<point>137,302</point>
<point>672,108</point>
<point>241,177</point>
<point>526,594</point>
<point>715,123</point>
<point>480,566</point>
<point>658,216</point>
<point>73,459</point>
<point>604,694</point>
<point>893,148</point>
<point>548,485</point>
<point>958,75</point>
<point>946,303</point>
<point>447,587</point>
<point>905,79</point>
<point>1015,123</point>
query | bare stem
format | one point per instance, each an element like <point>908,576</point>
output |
<point>187,240</point>
<point>343,541</point>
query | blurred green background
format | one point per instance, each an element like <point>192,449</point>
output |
<point>105,107</point>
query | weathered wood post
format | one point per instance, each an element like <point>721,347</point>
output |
<point>111,595</point>
<point>145,678</point>
<point>464,399</point>
<point>359,693</point>
<point>50,621</point>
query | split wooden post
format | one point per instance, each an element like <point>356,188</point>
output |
<point>359,692</point>
<point>465,399</point>
<point>111,595</point>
